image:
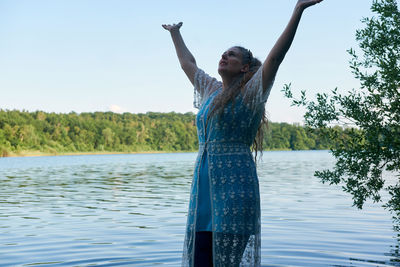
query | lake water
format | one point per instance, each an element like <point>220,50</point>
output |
<point>130,210</point>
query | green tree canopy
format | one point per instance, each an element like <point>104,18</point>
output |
<point>22,131</point>
<point>372,146</point>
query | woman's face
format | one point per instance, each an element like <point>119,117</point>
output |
<point>231,63</point>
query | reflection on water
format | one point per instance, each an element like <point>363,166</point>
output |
<point>130,210</point>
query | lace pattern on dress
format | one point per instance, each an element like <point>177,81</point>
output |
<point>254,95</point>
<point>204,86</point>
<point>234,189</point>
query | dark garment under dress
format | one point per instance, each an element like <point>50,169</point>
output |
<point>225,195</point>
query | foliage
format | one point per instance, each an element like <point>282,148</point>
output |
<point>98,131</point>
<point>371,147</point>
<point>107,131</point>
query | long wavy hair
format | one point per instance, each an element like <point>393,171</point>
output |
<point>229,94</point>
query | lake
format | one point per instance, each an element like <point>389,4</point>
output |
<point>130,210</point>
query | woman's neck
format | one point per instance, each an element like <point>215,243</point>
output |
<point>227,82</point>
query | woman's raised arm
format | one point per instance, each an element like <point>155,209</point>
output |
<point>186,59</point>
<point>278,52</point>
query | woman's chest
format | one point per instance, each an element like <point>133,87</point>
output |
<point>235,121</point>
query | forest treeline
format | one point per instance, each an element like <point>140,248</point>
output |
<point>111,132</point>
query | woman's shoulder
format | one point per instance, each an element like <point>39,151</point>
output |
<point>203,79</point>
<point>202,75</point>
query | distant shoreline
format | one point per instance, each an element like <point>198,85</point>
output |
<point>30,134</point>
<point>47,154</point>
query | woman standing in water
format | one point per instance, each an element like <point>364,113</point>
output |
<point>223,227</point>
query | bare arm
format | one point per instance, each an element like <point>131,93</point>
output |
<point>278,52</point>
<point>186,59</point>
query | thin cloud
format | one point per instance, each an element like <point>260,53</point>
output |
<point>116,109</point>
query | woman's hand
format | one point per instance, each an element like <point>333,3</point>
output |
<point>303,4</point>
<point>173,27</point>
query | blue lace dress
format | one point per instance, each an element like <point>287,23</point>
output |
<point>225,195</point>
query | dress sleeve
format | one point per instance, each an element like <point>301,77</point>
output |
<point>254,93</point>
<point>204,85</point>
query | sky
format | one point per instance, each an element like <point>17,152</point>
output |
<point>96,55</point>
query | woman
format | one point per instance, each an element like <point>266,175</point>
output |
<point>223,227</point>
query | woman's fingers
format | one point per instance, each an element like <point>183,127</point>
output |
<point>307,3</point>
<point>170,27</point>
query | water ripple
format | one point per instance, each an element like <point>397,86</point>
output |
<point>124,210</point>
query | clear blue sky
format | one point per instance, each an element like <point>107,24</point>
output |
<point>96,55</point>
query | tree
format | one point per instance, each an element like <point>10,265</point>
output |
<point>371,146</point>
<point>108,137</point>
